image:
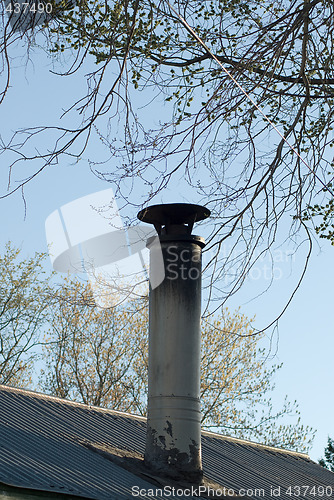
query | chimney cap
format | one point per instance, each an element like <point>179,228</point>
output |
<point>173,214</point>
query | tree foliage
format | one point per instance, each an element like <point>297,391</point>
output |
<point>94,355</point>
<point>100,356</point>
<point>324,228</point>
<point>25,292</point>
<point>211,138</point>
<point>236,382</point>
<point>328,461</point>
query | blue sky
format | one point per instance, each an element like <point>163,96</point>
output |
<point>304,340</point>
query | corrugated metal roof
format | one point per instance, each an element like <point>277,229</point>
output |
<point>51,444</point>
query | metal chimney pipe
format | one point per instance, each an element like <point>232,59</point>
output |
<point>173,440</point>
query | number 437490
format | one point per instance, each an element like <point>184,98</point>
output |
<point>25,7</point>
<point>315,491</point>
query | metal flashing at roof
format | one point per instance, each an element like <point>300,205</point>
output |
<point>53,445</point>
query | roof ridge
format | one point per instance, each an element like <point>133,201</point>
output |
<point>42,395</point>
<point>256,445</point>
